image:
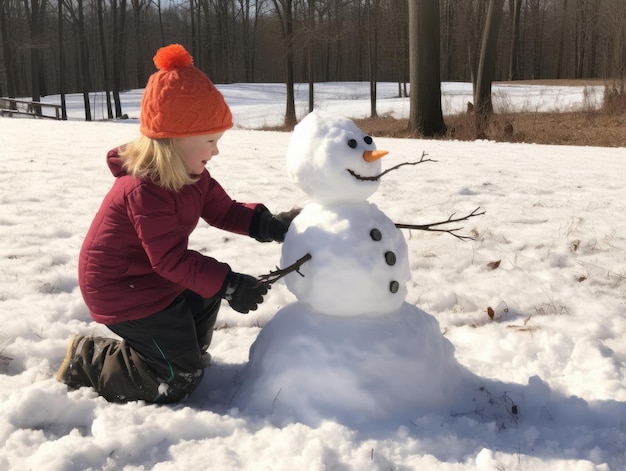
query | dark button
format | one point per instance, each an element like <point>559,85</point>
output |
<point>394,286</point>
<point>390,258</point>
<point>376,235</point>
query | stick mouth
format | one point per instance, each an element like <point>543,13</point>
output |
<point>362,177</point>
<point>395,167</point>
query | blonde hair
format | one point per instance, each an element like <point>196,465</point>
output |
<point>157,160</point>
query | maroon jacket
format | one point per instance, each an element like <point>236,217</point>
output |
<point>135,260</point>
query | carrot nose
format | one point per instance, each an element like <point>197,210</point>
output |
<point>372,155</point>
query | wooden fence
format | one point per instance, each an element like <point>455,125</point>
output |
<point>11,106</point>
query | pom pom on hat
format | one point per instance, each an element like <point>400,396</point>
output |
<point>180,100</point>
<point>172,57</point>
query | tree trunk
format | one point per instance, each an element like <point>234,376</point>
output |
<point>425,114</point>
<point>8,49</point>
<point>372,28</point>
<point>483,107</point>
<point>538,18</point>
<point>161,29</point>
<point>119,22</point>
<point>309,64</point>
<point>248,32</point>
<point>105,60</point>
<point>139,35</point>
<point>192,19</point>
<point>514,65</point>
<point>61,62</point>
<point>401,34</point>
<point>559,70</point>
<point>580,42</point>
<point>225,39</point>
<point>34,11</point>
<point>84,61</point>
<point>290,110</point>
<point>448,27</point>
<point>284,10</point>
<point>594,39</point>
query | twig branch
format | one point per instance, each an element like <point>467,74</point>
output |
<point>376,177</point>
<point>421,160</point>
<point>274,276</point>
<point>451,219</point>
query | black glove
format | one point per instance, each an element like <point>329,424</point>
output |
<point>243,292</point>
<point>266,227</point>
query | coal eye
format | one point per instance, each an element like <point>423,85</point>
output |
<point>352,143</point>
<point>368,140</point>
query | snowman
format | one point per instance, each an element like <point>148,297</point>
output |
<point>350,348</point>
<point>360,263</point>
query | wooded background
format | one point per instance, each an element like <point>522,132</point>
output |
<point>67,46</point>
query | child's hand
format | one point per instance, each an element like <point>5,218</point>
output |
<point>271,227</point>
<point>285,219</point>
<point>243,292</point>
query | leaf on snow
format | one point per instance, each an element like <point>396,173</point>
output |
<point>494,265</point>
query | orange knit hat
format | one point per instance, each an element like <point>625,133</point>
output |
<point>180,100</point>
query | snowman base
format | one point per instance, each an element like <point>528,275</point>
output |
<point>308,367</point>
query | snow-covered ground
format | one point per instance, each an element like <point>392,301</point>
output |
<point>555,347</point>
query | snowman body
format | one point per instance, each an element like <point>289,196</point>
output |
<point>359,264</point>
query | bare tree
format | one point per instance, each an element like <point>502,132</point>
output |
<point>483,106</point>
<point>559,70</point>
<point>537,16</point>
<point>139,7</point>
<point>105,59</point>
<point>581,37</point>
<point>61,60</point>
<point>157,4</point>
<point>35,13</point>
<point>399,26</point>
<point>618,41</point>
<point>284,11</point>
<point>118,12</point>
<point>425,113</point>
<point>249,15</point>
<point>515,58</point>
<point>372,8</point>
<point>309,47</point>
<point>78,23</point>
<point>8,48</point>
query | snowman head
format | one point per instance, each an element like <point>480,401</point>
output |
<point>333,160</point>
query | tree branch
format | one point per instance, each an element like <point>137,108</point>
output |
<point>421,160</point>
<point>451,219</point>
<point>274,276</point>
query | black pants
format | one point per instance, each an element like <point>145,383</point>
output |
<point>159,359</point>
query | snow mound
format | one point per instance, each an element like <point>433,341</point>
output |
<point>308,367</point>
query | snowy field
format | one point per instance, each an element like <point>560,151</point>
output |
<point>548,264</point>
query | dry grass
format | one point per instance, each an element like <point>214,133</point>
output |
<point>588,128</point>
<point>604,127</point>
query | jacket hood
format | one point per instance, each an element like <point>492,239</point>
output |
<point>115,163</point>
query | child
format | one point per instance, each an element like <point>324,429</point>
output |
<point>136,273</point>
